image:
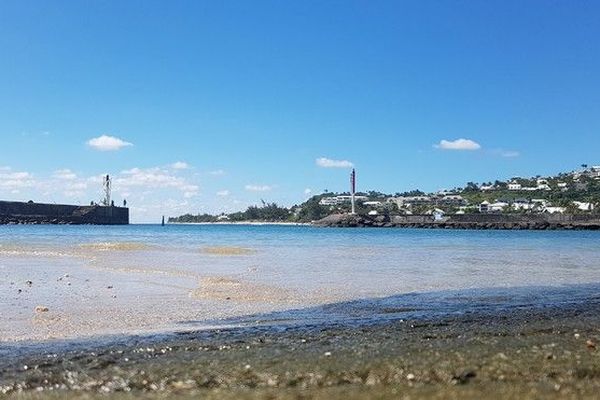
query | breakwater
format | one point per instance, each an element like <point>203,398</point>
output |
<point>466,221</point>
<point>12,212</point>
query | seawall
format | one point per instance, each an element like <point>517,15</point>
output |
<point>12,212</point>
<point>466,221</point>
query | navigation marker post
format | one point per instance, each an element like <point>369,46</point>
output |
<point>353,189</point>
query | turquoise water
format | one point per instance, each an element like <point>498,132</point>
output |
<point>476,258</point>
<point>200,273</point>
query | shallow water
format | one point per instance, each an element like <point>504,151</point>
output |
<point>147,278</point>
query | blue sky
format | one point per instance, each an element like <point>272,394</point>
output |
<point>248,95</point>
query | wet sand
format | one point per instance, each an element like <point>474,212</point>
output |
<point>525,352</point>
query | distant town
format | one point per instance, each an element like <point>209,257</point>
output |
<point>575,192</point>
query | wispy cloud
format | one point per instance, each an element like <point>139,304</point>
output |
<point>307,191</point>
<point>155,177</point>
<point>107,143</point>
<point>217,172</point>
<point>258,188</point>
<point>64,174</point>
<point>180,165</point>
<point>324,162</point>
<point>510,153</point>
<point>458,144</point>
<point>223,193</point>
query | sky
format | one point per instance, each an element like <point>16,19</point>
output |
<point>197,106</point>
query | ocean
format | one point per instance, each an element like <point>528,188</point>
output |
<point>136,279</point>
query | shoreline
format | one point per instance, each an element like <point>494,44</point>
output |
<point>520,353</point>
<point>251,223</point>
<point>458,222</point>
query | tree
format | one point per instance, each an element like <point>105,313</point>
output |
<point>311,210</point>
<point>471,187</point>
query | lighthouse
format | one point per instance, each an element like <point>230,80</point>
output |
<point>353,189</point>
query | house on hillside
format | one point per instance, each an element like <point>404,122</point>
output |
<point>522,204</point>
<point>542,184</point>
<point>484,207</point>
<point>554,210</point>
<point>337,200</point>
<point>497,206</point>
<point>452,200</point>
<point>583,206</point>
<point>438,214</point>
<point>407,201</point>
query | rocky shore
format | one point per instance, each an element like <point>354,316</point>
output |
<point>35,220</point>
<point>452,222</point>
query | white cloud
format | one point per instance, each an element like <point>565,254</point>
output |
<point>329,163</point>
<point>223,193</point>
<point>13,180</point>
<point>64,174</point>
<point>180,165</point>
<point>107,143</point>
<point>458,144</point>
<point>307,191</point>
<point>152,178</point>
<point>258,188</point>
<point>217,172</point>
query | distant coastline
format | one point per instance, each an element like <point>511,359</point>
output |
<point>256,223</point>
<point>474,222</point>
<point>573,198</point>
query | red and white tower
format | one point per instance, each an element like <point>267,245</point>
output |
<point>353,189</point>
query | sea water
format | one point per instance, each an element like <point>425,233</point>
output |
<point>144,278</point>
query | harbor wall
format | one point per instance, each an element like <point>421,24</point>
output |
<point>40,213</point>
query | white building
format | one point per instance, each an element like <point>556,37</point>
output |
<point>437,214</point>
<point>452,200</point>
<point>584,206</point>
<point>484,207</point>
<point>554,210</point>
<point>514,186</point>
<point>522,204</point>
<point>336,200</point>
<point>542,184</point>
<point>402,201</point>
<point>497,206</point>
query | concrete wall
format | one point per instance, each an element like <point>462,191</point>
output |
<point>17,212</point>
